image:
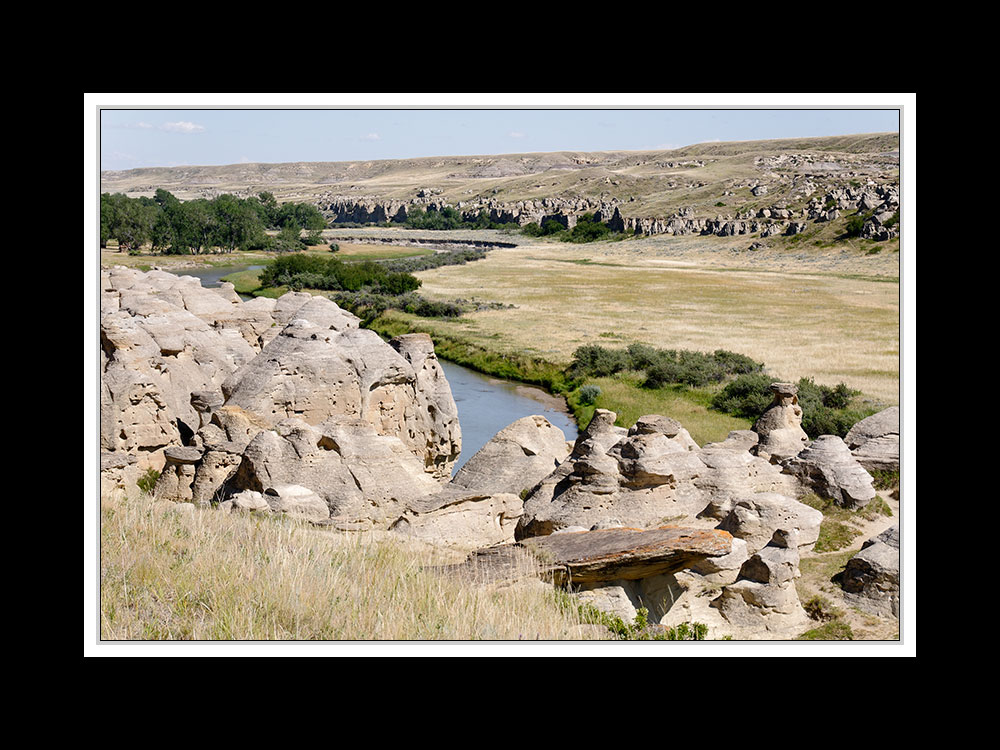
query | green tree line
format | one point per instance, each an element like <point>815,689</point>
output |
<point>227,223</point>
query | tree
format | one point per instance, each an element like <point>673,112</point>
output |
<point>288,239</point>
<point>238,225</point>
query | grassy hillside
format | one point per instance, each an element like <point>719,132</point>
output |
<point>653,183</point>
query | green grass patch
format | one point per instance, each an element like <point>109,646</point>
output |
<point>387,253</point>
<point>885,480</point>
<point>837,630</point>
<point>826,566</point>
<point>624,394</point>
<point>245,282</point>
<point>835,531</point>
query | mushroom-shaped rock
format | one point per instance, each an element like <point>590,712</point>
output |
<point>779,428</point>
<point>178,474</point>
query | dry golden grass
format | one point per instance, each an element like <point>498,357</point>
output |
<point>800,320</point>
<point>206,575</point>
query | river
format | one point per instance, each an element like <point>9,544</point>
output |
<point>485,404</point>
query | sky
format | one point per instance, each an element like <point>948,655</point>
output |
<point>133,137</point>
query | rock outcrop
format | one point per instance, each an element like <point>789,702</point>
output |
<point>161,341</point>
<point>322,365</point>
<point>172,352</point>
<point>764,598</point>
<point>874,441</point>
<point>830,469</point>
<point>871,578</point>
<point>515,459</point>
<point>779,428</point>
<point>649,475</point>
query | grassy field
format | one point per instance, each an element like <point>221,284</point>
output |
<point>801,317</point>
<point>205,575</point>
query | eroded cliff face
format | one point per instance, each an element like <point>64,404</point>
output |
<point>168,344</point>
<point>878,202</point>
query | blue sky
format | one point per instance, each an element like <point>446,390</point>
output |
<point>135,137</point>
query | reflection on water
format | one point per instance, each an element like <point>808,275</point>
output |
<point>211,275</point>
<point>486,405</point>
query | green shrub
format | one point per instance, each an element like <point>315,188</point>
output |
<point>639,629</point>
<point>854,226</point>
<point>885,480</point>
<point>589,394</point>
<point>662,366</point>
<point>824,409</point>
<point>147,481</point>
<point>746,396</point>
<point>598,362</point>
<point>586,230</point>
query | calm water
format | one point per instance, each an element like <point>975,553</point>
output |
<point>212,275</point>
<point>486,405</point>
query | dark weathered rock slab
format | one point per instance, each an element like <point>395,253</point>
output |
<point>626,554</point>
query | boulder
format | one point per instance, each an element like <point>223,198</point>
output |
<point>249,502</point>
<point>874,441</point>
<point>461,519</point>
<point>831,470</point>
<point>516,458</point>
<point>296,501</point>
<point>623,553</point>
<point>871,578</point>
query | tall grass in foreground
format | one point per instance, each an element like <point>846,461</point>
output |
<point>206,575</point>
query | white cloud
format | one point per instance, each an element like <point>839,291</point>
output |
<point>516,134</point>
<point>143,125</point>
<point>182,127</point>
<point>371,137</point>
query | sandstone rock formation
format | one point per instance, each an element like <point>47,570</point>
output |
<point>644,477</point>
<point>756,518</point>
<point>871,578</point>
<point>764,598</point>
<point>160,342</point>
<point>171,350</point>
<point>874,441</point>
<point>829,468</point>
<point>780,426</point>
<point>515,459</point>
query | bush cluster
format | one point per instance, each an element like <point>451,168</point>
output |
<point>435,260</point>
<point>662,366</point>
<point>825,410</point>
<point>369,305</point>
